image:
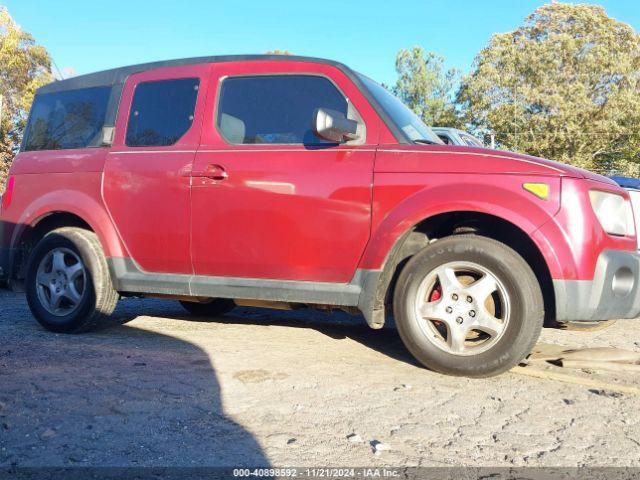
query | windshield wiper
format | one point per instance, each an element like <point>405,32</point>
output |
<point>425,141</point>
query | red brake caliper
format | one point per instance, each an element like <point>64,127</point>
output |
<point>436,294</point>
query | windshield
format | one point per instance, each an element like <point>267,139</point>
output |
<point>407,121</point>
<point>471,141</point>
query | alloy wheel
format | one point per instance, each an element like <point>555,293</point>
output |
<point>462,308</point>
<point>61,281</point>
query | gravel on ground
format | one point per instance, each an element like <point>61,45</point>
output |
<point>302,388</point>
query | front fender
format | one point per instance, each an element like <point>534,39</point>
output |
<point>401,201</point>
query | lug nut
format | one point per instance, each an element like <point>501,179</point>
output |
<point>449,309</point>
<point>469,299</point>
<point>472,313</point>
<point>459,320</point>
<point>454,296</point>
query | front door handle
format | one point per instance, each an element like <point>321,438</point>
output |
<point>214,172</point>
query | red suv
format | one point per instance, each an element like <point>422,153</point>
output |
<point>279,181</point>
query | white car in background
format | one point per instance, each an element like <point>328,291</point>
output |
<point>631,185</point>
<point>453,136</point>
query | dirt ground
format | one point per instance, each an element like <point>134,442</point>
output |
<point>261,387</point>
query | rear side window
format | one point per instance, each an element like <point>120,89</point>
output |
<point>69,119</point>
<point>162,112</point>
<point>275,108</point>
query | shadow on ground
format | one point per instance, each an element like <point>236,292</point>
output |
<point>120,397</point>
<point>124,396</point>
<point>336,325</point>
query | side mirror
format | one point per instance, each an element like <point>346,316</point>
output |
<point>334,126</point>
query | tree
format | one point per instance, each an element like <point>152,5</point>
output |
<point>565,85</point>
<point>426,87</point>
<point>24,66</point>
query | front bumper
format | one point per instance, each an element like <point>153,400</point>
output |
<point>613,293</point>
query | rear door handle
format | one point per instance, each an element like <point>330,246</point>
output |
<point>213,171</point>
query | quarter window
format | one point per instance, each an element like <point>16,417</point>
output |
<point>162,112</point>
<point>67,119</point>
<point>275,108</point>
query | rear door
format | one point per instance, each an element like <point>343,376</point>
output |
<point>147,173</point>
<point>270,200</point>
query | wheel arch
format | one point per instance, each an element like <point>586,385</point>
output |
<point>56,210</point>
<point>443,224</point>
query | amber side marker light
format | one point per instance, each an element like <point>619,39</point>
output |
<point>540,190</point>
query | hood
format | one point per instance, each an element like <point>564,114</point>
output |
<point>566,170</point>
<point>458,159</point>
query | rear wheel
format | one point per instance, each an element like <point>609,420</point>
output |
<point>210,308</point>
<point>469,306</point>
<point>68,286</point>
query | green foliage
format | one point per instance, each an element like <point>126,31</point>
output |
<point>426,87</point>
<point>565,85</point>
<point>24,66</point>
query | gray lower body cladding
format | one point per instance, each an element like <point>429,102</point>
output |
<point>5,251</point>
<point>128,277</point>
<point>5,262</point>
<point>613,293</point>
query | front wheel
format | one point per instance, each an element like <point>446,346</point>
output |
<point>469,306</point>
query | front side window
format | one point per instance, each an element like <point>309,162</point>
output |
<point>67,120</point>
<point>275,108</point>
<point>162,112</point>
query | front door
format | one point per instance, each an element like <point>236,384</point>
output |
<point>270,200</point>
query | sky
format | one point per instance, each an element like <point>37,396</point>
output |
<point>84,36</point>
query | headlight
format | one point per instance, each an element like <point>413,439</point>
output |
<point>613,211</point>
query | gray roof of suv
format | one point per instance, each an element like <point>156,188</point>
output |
<point>117,76</point>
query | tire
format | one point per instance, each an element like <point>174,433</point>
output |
<point>463,326</point>
<point>212,308</point>
<point>88,297</point>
